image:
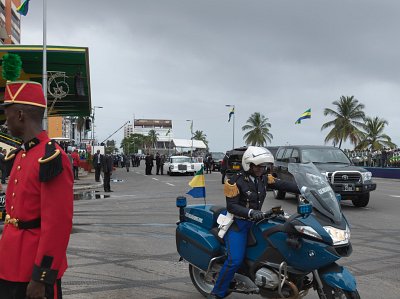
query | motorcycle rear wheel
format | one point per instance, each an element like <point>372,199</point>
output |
<point>332,293</point>
<point>198,279</point>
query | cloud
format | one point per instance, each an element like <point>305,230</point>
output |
<point>186,59</point>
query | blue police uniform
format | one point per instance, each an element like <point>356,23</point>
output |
<point>243,193</point>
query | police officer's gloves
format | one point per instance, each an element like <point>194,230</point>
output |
<point>257,215</point>
<point>274,211</point>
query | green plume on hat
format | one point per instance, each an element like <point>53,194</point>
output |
<point>12,65</point>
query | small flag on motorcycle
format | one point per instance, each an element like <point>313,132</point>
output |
<point>198,185</point>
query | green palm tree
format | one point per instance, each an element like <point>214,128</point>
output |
<point>347,121</point>
<point>373,137</point>
<point>199,135</point>
<point>258,130</point>
<point>153,137</point>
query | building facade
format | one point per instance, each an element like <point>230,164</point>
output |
<point>163,128</point>
<point>10,22</point>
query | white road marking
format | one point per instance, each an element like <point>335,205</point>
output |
<point>398,196</point>
<point>155,179</point>
<point>170,184</point>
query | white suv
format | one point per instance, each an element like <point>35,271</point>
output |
<point>179,164</point>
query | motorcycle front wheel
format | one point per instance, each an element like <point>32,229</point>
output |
<point>333,293</point>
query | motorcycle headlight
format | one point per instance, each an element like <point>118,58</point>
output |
<point>307,230</point>
<point>366,176</point>
<point>339,236</point>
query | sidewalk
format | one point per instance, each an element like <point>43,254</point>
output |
<point>86,181</point>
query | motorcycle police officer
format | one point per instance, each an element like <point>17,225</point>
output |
<point>245,193</point>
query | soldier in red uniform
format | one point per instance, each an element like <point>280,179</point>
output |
<point>39,202</point>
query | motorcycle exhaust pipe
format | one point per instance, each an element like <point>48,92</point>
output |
<point>294,289</point>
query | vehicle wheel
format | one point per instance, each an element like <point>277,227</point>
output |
<point>332,293</point>
<point>198,279</point>
<point>361,201</point>
<point>278,194</point>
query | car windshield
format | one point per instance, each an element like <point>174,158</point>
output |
<point>217,156</point>
<point>180,160</point>
<point>319,155</point>
<point>316,189</point>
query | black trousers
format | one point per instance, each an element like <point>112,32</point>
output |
<point>17,290</point>
<point>107,178</point>
<point>76,171</point>
<point>97,170</point>
<point>158,167</point>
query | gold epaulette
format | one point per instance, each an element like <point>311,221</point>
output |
<point>230,190</point>
<point>50,163</point>
<point>48,159</point>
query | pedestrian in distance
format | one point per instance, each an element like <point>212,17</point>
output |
<point>210,162</point>
<point>75,163</point>
<point>245,193</point>
<point>162,164</point>
<point>158,163</point>
<point>149,163</point>
<point>97,163</point>
<point>39,202</point>
<point>107,170</point>
<point>127,162</point>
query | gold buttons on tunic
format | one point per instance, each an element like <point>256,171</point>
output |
<point>15,181</point>
<point>12,208</point>
<point>23,155</point>
<point>19,167</point>
<point>13,195</point>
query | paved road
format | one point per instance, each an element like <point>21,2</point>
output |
<point>124,246</point>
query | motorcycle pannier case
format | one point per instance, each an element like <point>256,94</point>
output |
<point>196,244</point>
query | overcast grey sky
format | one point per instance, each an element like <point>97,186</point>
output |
<point>186,59</point>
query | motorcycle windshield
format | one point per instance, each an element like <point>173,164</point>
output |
<point>315,188</point>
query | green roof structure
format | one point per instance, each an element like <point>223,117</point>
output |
<point>68,90</point>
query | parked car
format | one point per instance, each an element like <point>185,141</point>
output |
<point>198,163</point>
<point>232,162</point>
<point>179,164</point>
<point>351,182</point>
<point>217,160</point>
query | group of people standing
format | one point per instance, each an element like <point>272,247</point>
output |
<point>149,161</point>
<point>103,163</point>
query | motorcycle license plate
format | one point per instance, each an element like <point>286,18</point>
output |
<point>348,187</point>
<point>236,167</point>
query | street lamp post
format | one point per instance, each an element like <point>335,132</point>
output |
<point>233,125</point>
<point>191,132</point>
<point>94,112</point>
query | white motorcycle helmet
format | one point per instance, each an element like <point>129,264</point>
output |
<point>257,156</point>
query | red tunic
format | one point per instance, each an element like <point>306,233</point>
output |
<point>24,250</point>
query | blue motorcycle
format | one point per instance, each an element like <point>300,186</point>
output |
<point>286,256</point>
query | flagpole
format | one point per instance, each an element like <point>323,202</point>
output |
<point>233,125</point>
<point>233,130</point>
<point>44,74</point>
